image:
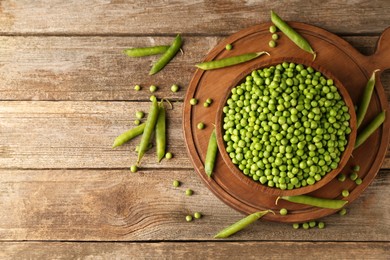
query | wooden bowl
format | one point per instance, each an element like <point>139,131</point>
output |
<point>257,185</point>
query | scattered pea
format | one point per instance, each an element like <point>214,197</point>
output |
<point>312,224</point>
<point>175,88</point>
<point>272,44</point>
<point>139,114</point>
<point>228,47</point>
<point>152,88</point>
<point>305,225</point>
<point>188,218</point>
<point>358,181</point>
<point>137,122</point>
<point>283,211</point>
<point>193,101</point>
<point>353,176</point>
<point>176,183</point>
<point>137,87</point>
<point>275,36</point>
<point>205,104</point>
<point>209,101</point>
<point>134,168</point>
<point>152,97</point>
<point>168,155</point>
<point>201,125</point>
<point>197,215</point>
<point>321,225</point>
<point>356,168</point>
<point>343,211</point>
<point>189,192</point>
<point>295,225</point>
<point>272,29</point>
<point>341,177</point>
<point>345,193</point>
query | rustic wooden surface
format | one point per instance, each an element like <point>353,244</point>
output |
<point>66,92</point>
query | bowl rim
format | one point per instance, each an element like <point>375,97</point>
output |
<point>276,191</point>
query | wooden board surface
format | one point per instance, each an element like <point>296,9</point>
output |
<point>66,92</point>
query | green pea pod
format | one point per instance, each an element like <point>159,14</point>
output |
<point>292,34</point>
<point>149,128</point>
<point>161,133</point>
<point>230,61</point>
<point>146,51</point>
<point>370,129</point>
<point>211,154</point>
<point>313,201</point>
<point>366,98</point>
<point>241,224</point>
<point>128,135</point>
<point>167,56</point>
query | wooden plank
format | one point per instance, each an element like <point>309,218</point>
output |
<point>116,205</point>
<point>200,17</point>
<point>94,68</point>
<point>43,134</point>
<point>195,250</point>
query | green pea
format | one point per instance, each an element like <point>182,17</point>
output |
<point>275,36</point>
<point>201,125</point>
<point>137,122</point>
<point>209,101</point>
<point>356,168</point>
<point>343,212</point>
<point>176,183</point>
<point>321,225</point>
<point>168,155</point>
<point>193,101</point>
<point>353,176</point>
<point>134,168</point>
<point>283,211</point>
<point>197,215</point>
<point>137,87</point>
<point>272,29</point>
<point>296,225</point>
<point>345,193</point>
<point>272,44</point>
<point>305,225</point>
<point>358,181</point>
<point>152,88</point>
<point>228,47</point>
<point>174,88</point>
<point>188,218</point>
<point>139,114</point>
<point>189,192</point>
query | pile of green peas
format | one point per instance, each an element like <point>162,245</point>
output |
<point>286,126</point>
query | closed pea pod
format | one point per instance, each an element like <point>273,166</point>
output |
<point>149,128</point>
<point>313,201</point>
<point>146,51</point>
<point>370,129</point>
<point>241,224</point>
<point>128,135</point>
<point>366,97</point>
<point>292,34</point>
<point>161,133</point>
<point>167,56</point>
<point>230,61</point>
<point>211,154</point>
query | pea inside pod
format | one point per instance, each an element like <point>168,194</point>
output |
<point>146,51</point>
<point>230,61</point>
<point>313,201</point>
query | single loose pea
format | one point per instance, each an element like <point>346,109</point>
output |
<point>272,44</point>
<point>134,168</point>
<point>189,192</point>
<point>295,225</point>
<point>205,104</point>
<point>139,114</point>
<point>321,225</point>
<point>343,211</point>
<point>201,125</point>
<point>228,47</point>
<point>275,36</point>
<point>152,97</point>
<point>356,168</point>
<point>283,211</point>
<point>168,155</point>
<point>209,101</point>
<point>176,183</point>
<point>345,193</point>
<point>137,122</point>
<point>272,29</point>
<point>197,215</point>
<point>353,176</point>
<point>152,88</point>
<point>358,181</point>
<point>305,225</point>
<point>312,224</point>
<point>137,87</point>
<point>193,101</point>
<point>174,88</point>
<point>341,177</point>
<point>188,218</point>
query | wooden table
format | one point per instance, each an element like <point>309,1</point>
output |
<point>66,92</point>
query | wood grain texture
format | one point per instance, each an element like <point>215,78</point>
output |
<point>204,250</point>
<point>94,68</point>
<point>116,205</point>
<point>195,16</point>
<point>43,134</point>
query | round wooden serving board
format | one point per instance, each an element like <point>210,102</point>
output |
<point>334,55</point>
